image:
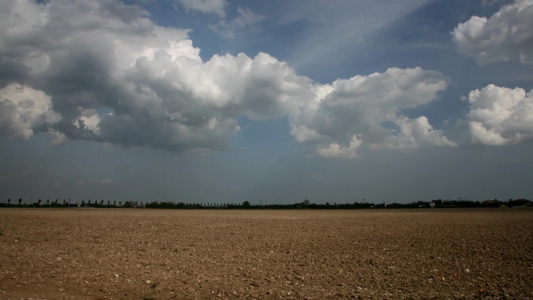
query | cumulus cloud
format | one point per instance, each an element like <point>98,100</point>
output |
<point>116,77</point>
<point>197,103</point>
<point>102,71</point>
<point>366,111</point>
<point>88,120</point>
<point>206,6</point>
<point>24,110</point>
<point>505,36</point>
<point>335,150</point>
<point>500,116</point>
<point>245,21</point>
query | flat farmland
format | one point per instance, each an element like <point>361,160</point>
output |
<point>265,254</point>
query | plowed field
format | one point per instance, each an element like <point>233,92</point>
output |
<point>265,254</point>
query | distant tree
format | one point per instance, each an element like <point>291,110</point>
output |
<point>9,201</point>
<point>39,202</point>
<point>20,201</point>
<point>120,203</point>
<point>89,203</point>
<point>115,202</point>
<point>246,204</point>
<point>47,201</point>
<point>108,202</point>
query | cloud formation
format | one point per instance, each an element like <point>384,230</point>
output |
<point>500,116</point>
<point>102,71</point>
<point>505,36</point>
<point>366,110</point>
<point>24,110</point>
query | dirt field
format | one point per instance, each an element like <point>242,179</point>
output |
<point>161,254</point>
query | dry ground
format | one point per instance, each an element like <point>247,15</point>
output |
<point>204,254</point>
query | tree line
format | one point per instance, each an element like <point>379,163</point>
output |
<point>69,203</point>
<point>306,204</point>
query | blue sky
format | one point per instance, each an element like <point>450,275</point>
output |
<point>218,101</point>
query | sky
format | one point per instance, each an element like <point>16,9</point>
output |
<point>222,101</point>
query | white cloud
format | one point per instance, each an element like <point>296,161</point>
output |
<point>336,150</point>
<point>113,76</point>
<point>23,110</point>
<point>366,111</point>
<point>500,116</point>
<point>304,134</point>
<point>88,53</point>
<point>246,21</point>
<point>505,36</point>
<point>198,103</point>
<point>88,120</point>
<point>416,132</point>
<point>206,6</point>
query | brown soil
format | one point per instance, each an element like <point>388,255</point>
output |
<point>304,254</point>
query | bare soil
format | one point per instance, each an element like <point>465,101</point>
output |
<point>265,254</point>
